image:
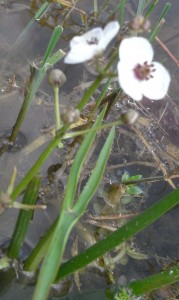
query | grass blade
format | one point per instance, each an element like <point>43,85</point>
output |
<point>79,160</point>
<point>53,40</point>
<point>140,7</point>
<point>64,226</point>
<point>24,217</point>
<point>91,186</point>
<point>151,8</point>
<point>33,171</point>
<point>127,231</point>
<point>156,281</point>
<point>156,29</point>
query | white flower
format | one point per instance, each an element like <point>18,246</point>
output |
<point>90,44</point>
<point>138,75</point>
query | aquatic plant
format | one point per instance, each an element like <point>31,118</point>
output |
<point>136,75</point>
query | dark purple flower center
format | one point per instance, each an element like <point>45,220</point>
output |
<point>144,72</point>
<point>93,41</point>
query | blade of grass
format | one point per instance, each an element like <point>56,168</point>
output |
<point>96,83</point>
<point>151,8</point>
<point>53,59</point>
<point>96,177</point>
<point>121,235</point>
<point>65,224</point>
<point>32,262</point>
<point>35,257</point>
<point>37,75</point>
<point>24,217</point>
<point>79,160</point>
<point>140,8</point>
<point>38,15</point>
<point>156,281</point>
<point>156,29</point>
<point>121,12</point>
<point>33,171</point>
<point>39,251</point>
<point>53,40</point>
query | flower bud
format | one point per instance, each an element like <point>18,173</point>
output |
<point>129,117</point>
<point>56,78</point>
<point>70,115</point>
<point>139,24</point>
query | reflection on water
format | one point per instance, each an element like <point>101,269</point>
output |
<point>129,153</point>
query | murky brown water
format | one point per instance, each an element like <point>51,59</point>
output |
<point>159,241</point>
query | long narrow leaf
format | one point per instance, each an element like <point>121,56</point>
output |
<point>24,217</point>
<point>156,281</point>
<point>121,235</point>
<point>53,40</point>
<point>32,172</point>
<point>96,176</point>
<point>79,160</point>
<point>52,60</point>
<point>157,26</point>
<point>140,8</point>
<point>151,8</point>
<point>63,228</point>
<point>38,15</point>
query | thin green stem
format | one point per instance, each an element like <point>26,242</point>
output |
<point>32,262</point>
<point>140,7</point>
<point>156,281</point>
<point>121,235</point>
<point>50,148</point>
<point>57,108</point>
<point>151,8</point>
<point>121,12</point>
<point>24,218</point>
<point>99,100</point>
<point>96,83</point>
<point>95,8</point>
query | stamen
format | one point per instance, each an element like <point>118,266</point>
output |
<point>143,72</point>
<point>93,41</point>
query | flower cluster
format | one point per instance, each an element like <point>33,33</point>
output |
<point>138,75</point>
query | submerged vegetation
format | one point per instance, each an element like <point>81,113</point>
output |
<point>101,147</point>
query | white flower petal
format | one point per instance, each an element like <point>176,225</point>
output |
<point>109,32</point>
<point>128,82</point>
<point>81,53</point>
<point>88,38</point>
<point>156,88</point>
<point>136,50</point>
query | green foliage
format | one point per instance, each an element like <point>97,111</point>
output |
<point>122,295</point>
<point>155,281</point>
<point>52,246</point>
<point>24,217</point>
<point>126,177</point>
<point>70,214</point>
<point>158,24</point>
<point>121,235</point>
<point>132,189</point>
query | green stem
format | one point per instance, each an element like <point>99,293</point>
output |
<point>140,7</point>
<point>32,262</point>
<point>121,235</point>
<point>57,108</point>
<point>122,9</point>
<point>95,8</point>
<point>24,218</point>
<point>96,83</point>
<point>99,100</point>
<point>156,281</point>
<point>45,154</point>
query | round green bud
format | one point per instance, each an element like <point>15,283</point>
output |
<point>56,78</point>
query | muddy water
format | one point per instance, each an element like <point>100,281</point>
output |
<point>160,241</point>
